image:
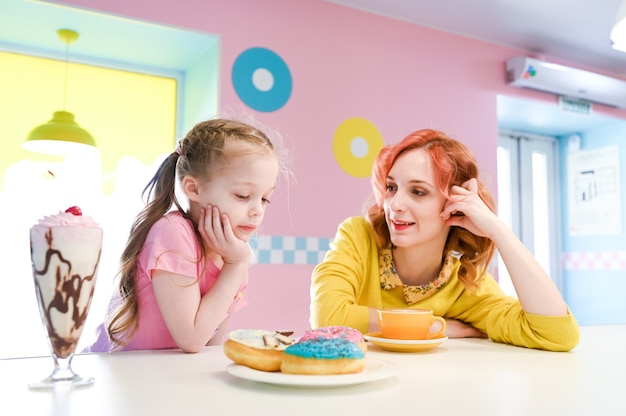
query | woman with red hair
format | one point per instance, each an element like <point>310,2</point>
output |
<point>426,243</point>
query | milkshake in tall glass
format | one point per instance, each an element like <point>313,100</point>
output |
<point>65,252</point>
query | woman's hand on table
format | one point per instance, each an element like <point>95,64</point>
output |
<point>460,329</point>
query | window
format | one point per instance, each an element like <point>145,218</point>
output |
<point>135,104</point>
<point>132,116</point>
<point>528,199</point>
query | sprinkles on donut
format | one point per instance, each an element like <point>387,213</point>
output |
<point>334,332</point>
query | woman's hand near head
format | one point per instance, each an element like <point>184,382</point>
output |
<point>534,287</point>
<point>217,233</point>
<point>464,208</point>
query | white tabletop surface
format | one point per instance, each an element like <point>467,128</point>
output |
<point>459,377</point>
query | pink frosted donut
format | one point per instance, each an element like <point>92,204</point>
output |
<point>335,332</point>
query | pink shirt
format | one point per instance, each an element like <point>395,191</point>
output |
<point>171,245</point>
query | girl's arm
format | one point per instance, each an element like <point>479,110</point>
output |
<point>191,319</point>
<point>536,291</point>
<point>218,337</point>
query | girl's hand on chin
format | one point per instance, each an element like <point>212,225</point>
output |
<point>217,233</point>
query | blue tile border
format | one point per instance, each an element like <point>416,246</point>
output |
<point>288,249</point>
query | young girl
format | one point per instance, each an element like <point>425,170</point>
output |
<point>184,272</point>
<point>426,243</point>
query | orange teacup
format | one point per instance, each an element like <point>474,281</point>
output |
<point>414,324</point>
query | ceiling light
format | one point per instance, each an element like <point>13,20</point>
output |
<point>61,135</point>
<point>618,33</point>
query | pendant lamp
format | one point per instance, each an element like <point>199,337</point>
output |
<point>618,33</point>
<point>61,135</point>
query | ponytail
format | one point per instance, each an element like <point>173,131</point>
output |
<point>201,150</point>
<point>160,196</point>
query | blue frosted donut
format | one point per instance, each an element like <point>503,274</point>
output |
<point>323,356</point>
<point>325,348</point>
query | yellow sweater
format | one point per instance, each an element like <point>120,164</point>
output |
<point>347,283</point>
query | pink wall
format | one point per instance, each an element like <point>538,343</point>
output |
<point>344,63</point>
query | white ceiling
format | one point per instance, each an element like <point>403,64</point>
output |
<point>572,30</point>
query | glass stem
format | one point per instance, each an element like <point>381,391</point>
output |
<point>62,369</point>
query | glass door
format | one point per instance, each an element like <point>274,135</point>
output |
<point>528,199</point>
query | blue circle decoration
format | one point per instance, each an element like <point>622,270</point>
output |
<point>262,79</point>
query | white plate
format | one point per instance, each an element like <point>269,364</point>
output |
<point>374,370</point>
<point>403,345</point>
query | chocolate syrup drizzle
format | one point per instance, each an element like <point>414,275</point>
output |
<point>67,290</point>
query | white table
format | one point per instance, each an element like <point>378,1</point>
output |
<point>460,377</point>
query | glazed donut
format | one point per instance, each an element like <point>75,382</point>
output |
<point>334,332</point>
<point>257,348</point>
<point>323,356</point>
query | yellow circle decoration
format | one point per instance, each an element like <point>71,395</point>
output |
<point>356,143</point>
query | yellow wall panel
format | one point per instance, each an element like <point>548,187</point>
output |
<point>128,114</point>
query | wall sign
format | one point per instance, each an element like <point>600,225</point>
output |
<point>594,192</point>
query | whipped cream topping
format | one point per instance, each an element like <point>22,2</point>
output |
<point>65,252</point>
<point>66,219</point>
<point>262,339</point>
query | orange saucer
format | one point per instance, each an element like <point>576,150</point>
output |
<point>403,345</point>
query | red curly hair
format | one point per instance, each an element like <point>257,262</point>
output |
<point>453,164</point>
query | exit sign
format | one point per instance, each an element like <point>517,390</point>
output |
<point>574,105</point>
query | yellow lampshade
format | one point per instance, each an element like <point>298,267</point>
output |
<point>59,136</point>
